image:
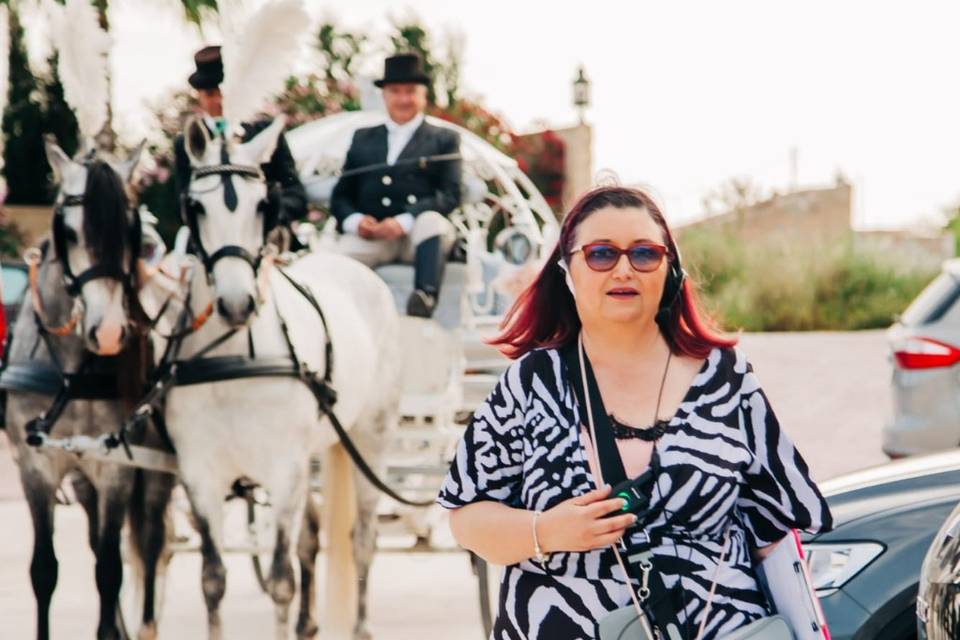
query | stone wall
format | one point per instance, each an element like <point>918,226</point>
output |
<point>824,216</point>
<point>33,221</point>
<point>909,249</point>
<point>578,174</point>
<point>821,214</point>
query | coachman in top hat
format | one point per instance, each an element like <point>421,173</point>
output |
<point>400,181</point>
<point>286,191</point>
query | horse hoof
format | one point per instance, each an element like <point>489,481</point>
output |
<point>282,591</point>
<point>108,634</point>
<point>306,628</point>
<point>362,634</point>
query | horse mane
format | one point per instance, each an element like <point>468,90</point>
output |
<point>110,234</point>
<point>106,226</point>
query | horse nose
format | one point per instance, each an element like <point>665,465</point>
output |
<point>236,312</point>
<point>105,339</point>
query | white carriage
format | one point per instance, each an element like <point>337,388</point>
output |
<point>504,226</point>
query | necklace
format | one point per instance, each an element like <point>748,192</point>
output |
<point>656,429</point>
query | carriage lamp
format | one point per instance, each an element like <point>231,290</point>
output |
<point>581,92</point>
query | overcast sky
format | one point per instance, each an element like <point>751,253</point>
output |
<point>685,94</point>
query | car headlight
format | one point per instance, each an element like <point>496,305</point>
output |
<point>833,565</point>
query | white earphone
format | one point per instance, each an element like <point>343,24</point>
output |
<point>566,276</point>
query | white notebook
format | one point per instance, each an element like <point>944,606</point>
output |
<point>791,589</point>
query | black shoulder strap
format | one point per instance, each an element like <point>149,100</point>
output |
<point>610,461</point>
<point>661,605</point>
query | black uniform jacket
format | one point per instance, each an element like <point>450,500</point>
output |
<point>405,187</point>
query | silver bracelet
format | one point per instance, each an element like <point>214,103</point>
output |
<point>538,553</point>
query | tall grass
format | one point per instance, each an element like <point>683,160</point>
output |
<point>776,285</point>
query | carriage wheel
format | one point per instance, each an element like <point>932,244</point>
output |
<point>488,586</point>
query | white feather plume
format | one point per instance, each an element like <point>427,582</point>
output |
<point>232,15</point>
<point>4,67</point>
<point>4,57</point>
<point>83,47</point>
<point>260,57</point>
<point>35,18</point>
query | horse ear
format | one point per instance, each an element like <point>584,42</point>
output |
<point>58,160</point>
<point>196,139</point>
<point>261,146</point>
<point>125,169</point>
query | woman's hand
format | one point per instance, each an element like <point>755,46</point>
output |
<point>760,554</point>
<point>578,524</point>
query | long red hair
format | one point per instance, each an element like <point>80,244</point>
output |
<point>545,314</point>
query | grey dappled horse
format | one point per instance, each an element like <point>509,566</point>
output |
<point>86,280</point>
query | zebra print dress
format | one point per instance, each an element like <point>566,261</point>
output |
<point>724,462</point>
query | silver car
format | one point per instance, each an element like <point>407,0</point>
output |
<point>925,346</point>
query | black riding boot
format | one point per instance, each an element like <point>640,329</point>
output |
<point>428,274</point>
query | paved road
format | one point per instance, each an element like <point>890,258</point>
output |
<point>830,391</point>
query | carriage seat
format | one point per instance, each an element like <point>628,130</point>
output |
<point>449,312</point>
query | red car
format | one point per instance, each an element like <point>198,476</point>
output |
<point>13,286</point>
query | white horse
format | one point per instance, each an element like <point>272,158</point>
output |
<point>265,429</point>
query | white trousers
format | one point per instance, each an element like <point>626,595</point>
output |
<point>374,253</point>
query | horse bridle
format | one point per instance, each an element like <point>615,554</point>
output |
<point>192,209</point>
<point>74,283</point>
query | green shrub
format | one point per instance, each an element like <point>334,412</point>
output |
<point>776,285</point>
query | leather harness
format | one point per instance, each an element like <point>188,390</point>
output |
<point>96,380</point>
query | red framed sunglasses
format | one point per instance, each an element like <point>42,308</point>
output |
<point>604,256</point>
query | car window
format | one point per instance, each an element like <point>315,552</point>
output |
<point>14,284</point>
<point>933,302</point>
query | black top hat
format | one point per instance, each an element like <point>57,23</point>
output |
<point>209,73</point>
<point>403,68</point>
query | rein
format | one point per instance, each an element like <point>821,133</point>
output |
<point>421,163</point>
<point>96,377</point>
<point>33,258</point>
<point>200,369</point>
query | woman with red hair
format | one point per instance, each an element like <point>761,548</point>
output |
<point>621,377</point>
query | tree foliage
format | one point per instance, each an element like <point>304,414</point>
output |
<point>36,108</point>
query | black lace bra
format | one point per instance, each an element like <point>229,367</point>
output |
<point>622,431</point>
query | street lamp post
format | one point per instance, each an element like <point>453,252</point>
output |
<point>581,93</point>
